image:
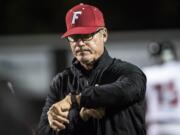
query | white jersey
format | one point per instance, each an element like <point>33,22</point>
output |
<point>163,93</point>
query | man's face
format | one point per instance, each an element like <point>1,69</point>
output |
<point>88,48</point>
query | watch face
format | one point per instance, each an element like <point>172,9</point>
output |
<point>73,100</point>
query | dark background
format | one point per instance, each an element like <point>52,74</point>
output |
<point>47,16</point>
<point>36,17</point>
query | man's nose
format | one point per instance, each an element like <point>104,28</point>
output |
<point>80,42</point>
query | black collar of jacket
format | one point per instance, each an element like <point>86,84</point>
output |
<point>101,63</point>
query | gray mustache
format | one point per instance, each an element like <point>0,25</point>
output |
<point>81,50</point>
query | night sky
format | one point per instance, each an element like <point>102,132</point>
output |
<point>48,16</point>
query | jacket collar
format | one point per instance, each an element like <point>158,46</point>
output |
<point>101,63</point>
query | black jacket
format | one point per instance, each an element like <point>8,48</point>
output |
<point>116,85</point>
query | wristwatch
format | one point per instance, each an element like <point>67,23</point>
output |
<point>73,99</point>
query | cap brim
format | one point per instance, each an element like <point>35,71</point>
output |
<point>79,30</point>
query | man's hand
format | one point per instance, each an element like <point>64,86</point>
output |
<point>98,113</point>
<point>58,114</point>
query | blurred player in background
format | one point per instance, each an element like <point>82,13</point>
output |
<point>163,90</point>
<point>14,114</point>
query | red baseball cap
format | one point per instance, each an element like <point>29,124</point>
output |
<point>83,19</point>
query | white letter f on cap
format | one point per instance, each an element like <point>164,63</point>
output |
<point>75,16</point>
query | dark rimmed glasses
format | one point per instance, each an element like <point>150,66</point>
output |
<point>83,37</point>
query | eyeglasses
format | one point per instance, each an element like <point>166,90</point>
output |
<point>83,37</point>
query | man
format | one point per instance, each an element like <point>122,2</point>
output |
<point>163,90</point>
<point>97,95</point>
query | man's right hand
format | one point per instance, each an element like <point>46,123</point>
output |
<point>58,114</point>
<point>86,113</point>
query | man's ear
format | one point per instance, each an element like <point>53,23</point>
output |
<point>105,34</point>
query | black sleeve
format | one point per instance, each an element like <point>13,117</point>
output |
<point>77,125</point>
<point>54,96</point>
<point>127,89</point>
<point>43,127</point>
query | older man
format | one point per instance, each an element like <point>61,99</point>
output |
<point>97,94</point>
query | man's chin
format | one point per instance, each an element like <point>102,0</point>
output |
<point>86,60</point>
